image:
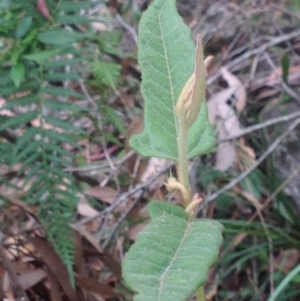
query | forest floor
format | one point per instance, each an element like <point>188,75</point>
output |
<point>250,184</point>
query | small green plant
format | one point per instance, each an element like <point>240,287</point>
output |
<point>172,255</point>
<point>40,60</point>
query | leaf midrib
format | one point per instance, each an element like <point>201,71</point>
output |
<point>169,71</point>
<point>160,290</point>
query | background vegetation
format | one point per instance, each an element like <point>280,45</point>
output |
<point>72,193</point>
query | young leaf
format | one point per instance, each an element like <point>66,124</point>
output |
<point>43,55</point>
<point>58,37</point>
<point>171,256</point>
<point>107,73</point>
<point>17,74</point>
<point>23,27</point>
<point>166,56</point>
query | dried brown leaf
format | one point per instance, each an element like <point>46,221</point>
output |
<point>127,99</point>
<point>135,230</point>
<point>135,166</point>
<point>78,260</point>
<point>105,194</point>
<point>212,111</point>
<point>251,198</point>
<point>99,26</point>
<point>287,260</point>
<point>107,259</point>
<point>226,154</point>
<point>55,265</point>
<point>43,9</point>
<point>29,279</point>
<point>239,89</point>
<point>85,209</point>
<point>275,77</point>
<point>89,237</point>
<point>93,286</point>
<point>245,154</point>
<point>154,166</point>
<point>54,287</point>
<point>227,121</point>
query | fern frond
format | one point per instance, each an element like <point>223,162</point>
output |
<point>106,73</point>
<point>57,91</point>
<point>58,137</point>
<point>51,61</point>
<point>39,195</point>
<point>26,152</point>
<point>58,76</point>
<point>36,184</point>
<point>60,174</point>
<point>19,120</point>
<point>30,84</point>
<point>61,235</point>
<point>63,125</point>
<point>59,160</point>
<point>59,151</point>
<point>25,140</point>
<point>27,162</point>
<point>63,193</point>
<point>6,149</point>
<point>111,138</point>
<point>62,106</point>
<point>62,63</point>
<point>6,90</point>
<point>113,117</point>
<point>71,20</point>
<point>24,101</point>
<point>109,41</point>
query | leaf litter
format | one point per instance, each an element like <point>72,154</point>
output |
<point>228,110</point>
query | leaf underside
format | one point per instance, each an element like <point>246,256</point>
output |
<point>166,56</point>
<point>171,256</point>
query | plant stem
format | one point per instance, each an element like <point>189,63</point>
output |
<point>182,164</point>
<point>200,294</point>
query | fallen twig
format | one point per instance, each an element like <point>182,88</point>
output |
<point>244,174</point>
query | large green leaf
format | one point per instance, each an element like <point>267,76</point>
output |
<point>166,56</point>
<point>171,256</point>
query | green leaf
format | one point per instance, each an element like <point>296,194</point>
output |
<point>72,19</point>
<point>70,6</point>
<point>43,55</point>
<point>17,74</point>
<point>23,27</point>
<point>171,256</point>
<point>285,64</point>
<point>166,56</point>
<point>57,37</point>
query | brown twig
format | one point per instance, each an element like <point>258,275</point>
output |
<point>120,221</point>
<point>244,174</point>
<point>286,88</point>
<point>125,196</point>
<point>262,125</point>
<point>250,53</point>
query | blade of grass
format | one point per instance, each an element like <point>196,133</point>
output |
<point>284,283</point>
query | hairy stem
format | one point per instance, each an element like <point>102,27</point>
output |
<point>182,164</point>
